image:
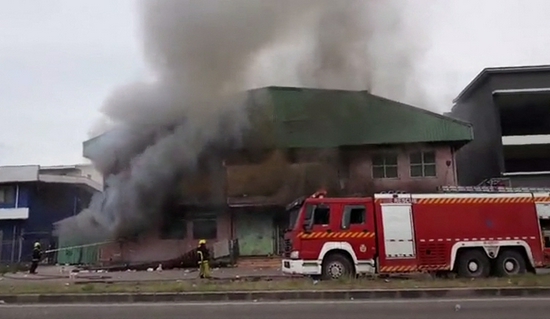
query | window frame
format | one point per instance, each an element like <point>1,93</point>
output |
<point>384,165</point>
<point>314,213</point>
<point>346,212</point>
<point>8,190</point>
<point>204,219</point>
<point>422,164</point>
<point>167,233</point>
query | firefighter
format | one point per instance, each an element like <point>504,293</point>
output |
<point>204,255</point>
<point>36,255</point>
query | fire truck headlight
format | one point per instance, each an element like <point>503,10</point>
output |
<point>295,255</point>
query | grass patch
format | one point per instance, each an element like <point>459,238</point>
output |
<point>291,284</point>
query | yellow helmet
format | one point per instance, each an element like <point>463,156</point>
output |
<point>202,242</point>
<point>37,245</point>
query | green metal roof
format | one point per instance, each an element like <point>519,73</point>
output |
<point>315,118</point>
<point>286,117</point>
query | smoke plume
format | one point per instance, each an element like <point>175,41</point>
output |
<point>203,54</point>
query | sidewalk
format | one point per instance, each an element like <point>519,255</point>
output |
<point>59,273</point>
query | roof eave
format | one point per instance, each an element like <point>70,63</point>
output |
<point>498,70</point>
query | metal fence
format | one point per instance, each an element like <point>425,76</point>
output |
<point>11,250</point>
<point>17,249</point>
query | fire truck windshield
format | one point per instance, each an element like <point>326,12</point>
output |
<point>293,211</point>
<point>293,217</point>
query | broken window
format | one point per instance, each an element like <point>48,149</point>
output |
<point>384,166</point>
<point>423,164</point>
<point>354,215</point>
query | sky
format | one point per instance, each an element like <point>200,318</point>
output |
<point>60,59</point>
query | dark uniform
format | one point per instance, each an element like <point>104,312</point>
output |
<point>204,255</point>
<point>36,256</point>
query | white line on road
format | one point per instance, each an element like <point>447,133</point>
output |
<point>289,302</point>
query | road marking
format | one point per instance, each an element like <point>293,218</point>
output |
<point>289,302</point>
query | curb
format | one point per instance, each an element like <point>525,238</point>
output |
<point>274,295</point>
<point>109,280</point>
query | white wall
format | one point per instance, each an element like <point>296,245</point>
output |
<point>84,170</point>
<point>88,170</point>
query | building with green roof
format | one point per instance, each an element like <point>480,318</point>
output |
<point>350,142</point>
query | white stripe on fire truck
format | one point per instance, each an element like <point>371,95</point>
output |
<point>468,239</point>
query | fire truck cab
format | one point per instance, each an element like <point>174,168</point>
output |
<point>475,234</point>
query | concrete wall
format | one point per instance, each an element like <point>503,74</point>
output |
<point>255,230</point>
<point>483,157</point>
<point>360,169</point>
<point>89,171</point>
<point>259,240</point>
<point>84,170</point>
<point>152,248</point>
<point>51,203</point>
<point>47,203</point>
<point>345,171</point>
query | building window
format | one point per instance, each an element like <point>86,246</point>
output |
<point>354,215</point>
<point>384,166</point>
<point>205,226</point>
<point>423,164</point>
<point>7,194</point>
<point>174,228</point>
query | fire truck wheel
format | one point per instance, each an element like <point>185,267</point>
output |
<point>336,267</point>
<point>509,262</point>
<point>473,264</point>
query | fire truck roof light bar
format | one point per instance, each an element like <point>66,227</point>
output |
<point>493,189</point>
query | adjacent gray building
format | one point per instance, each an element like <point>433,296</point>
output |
<point>509,108</point>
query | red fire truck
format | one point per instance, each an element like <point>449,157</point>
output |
<point>473,231</point>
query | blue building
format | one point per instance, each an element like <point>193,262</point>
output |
<point>32,198</point>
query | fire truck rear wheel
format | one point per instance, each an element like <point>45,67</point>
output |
<point>336,267</point>
<point>509,262</point>
<point>473,264</point>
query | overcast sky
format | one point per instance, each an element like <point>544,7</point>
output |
<point>59,59</point>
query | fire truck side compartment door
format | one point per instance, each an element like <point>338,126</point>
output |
<point>398,230</point>
<point>543,210</point>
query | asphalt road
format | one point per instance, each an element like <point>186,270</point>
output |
<point>527,308</point>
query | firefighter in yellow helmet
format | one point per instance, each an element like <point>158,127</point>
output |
<point>36,256</point>
<point>204,255</point>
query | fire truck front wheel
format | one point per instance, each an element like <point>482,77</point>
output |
<point>473,263</point>
<point>336,266</point>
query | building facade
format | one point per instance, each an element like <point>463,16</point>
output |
<point>349,143</point>
<point>32,199</point>
<point>508,107</point>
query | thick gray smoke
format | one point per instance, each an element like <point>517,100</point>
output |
<point>204,52</point>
